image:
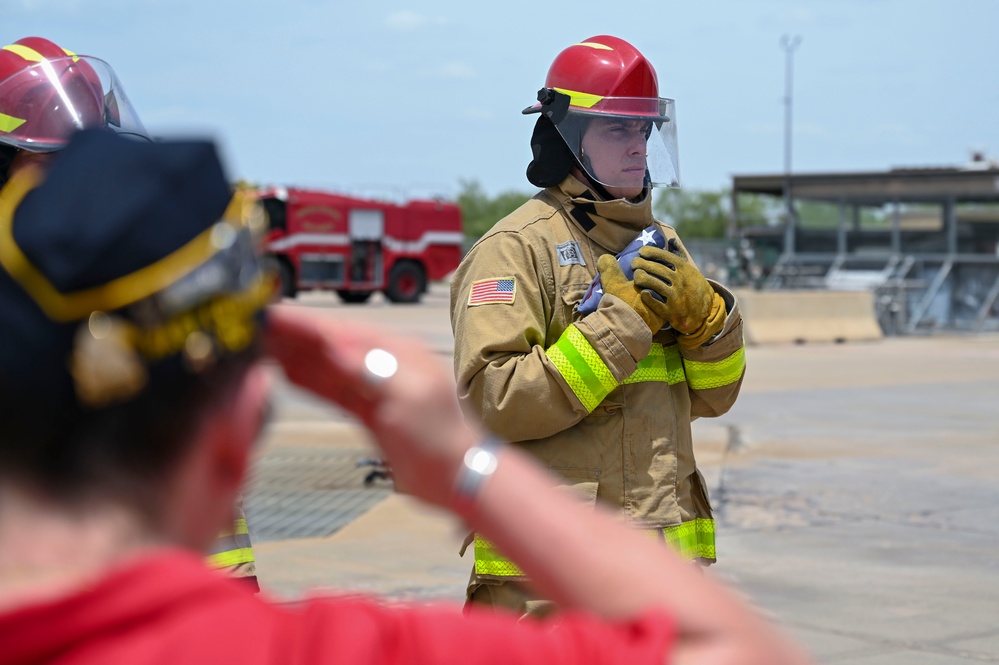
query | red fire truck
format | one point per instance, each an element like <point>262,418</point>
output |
<point>356,247</point>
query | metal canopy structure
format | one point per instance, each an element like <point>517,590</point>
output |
<point>880,188</point>
<point>940,275</point>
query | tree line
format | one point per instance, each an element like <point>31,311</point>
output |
<point>693,213</point>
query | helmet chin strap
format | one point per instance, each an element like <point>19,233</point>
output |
<point>586,168</point>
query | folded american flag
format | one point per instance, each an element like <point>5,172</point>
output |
<point>650,236</point>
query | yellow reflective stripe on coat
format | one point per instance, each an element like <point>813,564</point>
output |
<point>231,558</point>
<point>488,561</point>
<point>663,364</point>
<point>591,381</point>
<point>581,367</point>
<point>232,547</point>
<point>694,539</point>
<point>691,540</point>
<point>704,376</point>
<point>238,526</point>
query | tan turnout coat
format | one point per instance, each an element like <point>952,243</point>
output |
<point>633,451</point>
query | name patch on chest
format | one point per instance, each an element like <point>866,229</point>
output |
<point>492,291</point>
<point>569,252</point>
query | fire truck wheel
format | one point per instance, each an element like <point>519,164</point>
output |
<point>352,297</point>
<point>406,283</point>
<point>287,278</point>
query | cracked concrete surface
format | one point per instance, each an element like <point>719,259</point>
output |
<point>856,488</point>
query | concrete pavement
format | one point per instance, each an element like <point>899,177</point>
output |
<point>856,489</point>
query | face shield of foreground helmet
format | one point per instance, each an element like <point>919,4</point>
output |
<point>625,145</point>
<point>46,100</point>
<point>603,97</point>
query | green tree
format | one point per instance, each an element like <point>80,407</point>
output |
<point>759,210</point>
<point>694,213</point>
<point>479,211</point>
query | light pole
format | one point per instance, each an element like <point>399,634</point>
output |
<point>789,44</point>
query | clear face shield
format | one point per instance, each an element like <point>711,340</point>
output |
<point>42,105</point>
<point>625,144</point>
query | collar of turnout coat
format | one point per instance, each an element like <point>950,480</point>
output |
<point>611,224</point>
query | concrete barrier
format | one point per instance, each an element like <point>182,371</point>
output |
<point>808,316</point>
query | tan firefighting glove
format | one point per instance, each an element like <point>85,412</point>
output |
<point>614,282</point>
<point>680,292</point>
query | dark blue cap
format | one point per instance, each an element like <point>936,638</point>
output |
<point>126,258</point>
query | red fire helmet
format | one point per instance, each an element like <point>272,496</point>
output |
<point>48,92</point>
<point>605,77</point>
<point>604,67</point>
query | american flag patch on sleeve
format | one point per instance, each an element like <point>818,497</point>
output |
<point>491,291</point>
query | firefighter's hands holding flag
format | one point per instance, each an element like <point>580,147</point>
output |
<point>616,283</point>
<point>673,287</point>
<point>665,288</point>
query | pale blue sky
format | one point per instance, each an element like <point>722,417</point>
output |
<point>407,99</point>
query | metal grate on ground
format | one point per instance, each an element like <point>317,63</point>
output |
<point>308,492</point>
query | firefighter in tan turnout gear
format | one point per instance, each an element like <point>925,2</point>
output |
<point>604,398</point>
<point>46,94</point>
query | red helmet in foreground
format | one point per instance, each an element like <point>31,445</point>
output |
<point>47,93</point>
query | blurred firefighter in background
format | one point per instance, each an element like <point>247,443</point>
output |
<point>46,94</point>
<point>603,395</point>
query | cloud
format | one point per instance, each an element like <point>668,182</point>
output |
<point>406,20</point>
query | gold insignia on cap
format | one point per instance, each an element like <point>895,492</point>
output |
<point>104,363</point>
<point>199,351</point>
<point>245,209</point>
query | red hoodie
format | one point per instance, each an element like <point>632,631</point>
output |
<point>168,608</point>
